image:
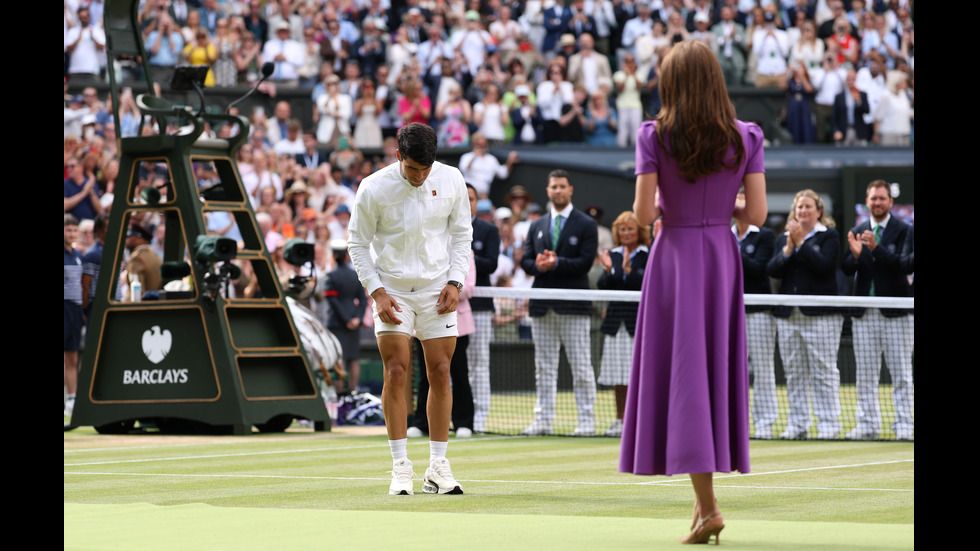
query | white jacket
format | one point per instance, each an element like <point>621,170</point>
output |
<point>421,235</point>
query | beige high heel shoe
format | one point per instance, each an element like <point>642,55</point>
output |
<point>697,511</point>
<point>705,528</point>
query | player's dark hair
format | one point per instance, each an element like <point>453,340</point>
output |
<point>417,142</point>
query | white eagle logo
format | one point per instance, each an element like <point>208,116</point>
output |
<point>156,345</point>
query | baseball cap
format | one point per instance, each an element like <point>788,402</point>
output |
<point>522,90</point>
<point>472,15</point>
<point>484,205</point>
<point>338,245</point>
<point>502,213</point>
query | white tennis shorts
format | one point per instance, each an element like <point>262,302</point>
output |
<point>419,314</point>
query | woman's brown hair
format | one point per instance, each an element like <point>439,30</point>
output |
<point>697,115</point>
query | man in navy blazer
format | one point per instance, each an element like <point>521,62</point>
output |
<point>756,246</point>
<point>486,251</point>
<point>558,253</point>
<point>555,20</point>
<point>874,259</point>
<point>847,115</point>
<point>314,156</point>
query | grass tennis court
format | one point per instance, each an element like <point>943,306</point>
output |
<point>306,490</point>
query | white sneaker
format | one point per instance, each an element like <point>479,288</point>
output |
<point>793,434</point>
<point>69,406</point>
<point>538,428</point>
<point>401,478</point>
<point>463,432</point>
<point>584,429</point>
<point>615,429</point>
<point>905,435</point>
<point>439,478</point>
<point>859,433</point>
<point>414,432</point>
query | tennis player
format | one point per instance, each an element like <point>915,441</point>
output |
<point>409,240</point>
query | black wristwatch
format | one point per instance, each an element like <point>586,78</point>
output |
<point>459,286</point>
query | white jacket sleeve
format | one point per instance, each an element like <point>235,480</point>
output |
<point>461,230</point>
<point>361,230</point>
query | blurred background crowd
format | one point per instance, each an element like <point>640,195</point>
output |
<point>484,74</point>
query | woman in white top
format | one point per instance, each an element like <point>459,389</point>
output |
<point>491,116</point>
<point>552,94</point>
<point>333,113</point>
<point>808,49</point>
<point>893,117</point>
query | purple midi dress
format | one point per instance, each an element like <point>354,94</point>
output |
<point>687,405</point>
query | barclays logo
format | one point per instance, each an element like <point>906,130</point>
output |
<point>156,344</point>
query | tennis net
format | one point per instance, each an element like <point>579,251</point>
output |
<point>801,349</point>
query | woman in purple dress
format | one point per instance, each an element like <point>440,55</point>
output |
<point>687,407</point>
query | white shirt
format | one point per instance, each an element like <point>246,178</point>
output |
<point>491,126</point>
<point>295,56</point>
<point>480,171</point>
<point>634,28</point>
<point>85,58</point>
<point>422,235</point>
<point>551,99</point>
<point>772,51</point>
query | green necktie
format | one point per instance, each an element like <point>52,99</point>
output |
<point>877,233</point>
<point>555,230</point>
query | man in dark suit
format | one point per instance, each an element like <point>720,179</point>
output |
<point>756,246</point>
<point>312,158</point>
<point>875,260</point>
<point>847,115</point>
<point>486,251</point>
<point>345,294</point>
<point>558,254</point>
<point>556,18</point>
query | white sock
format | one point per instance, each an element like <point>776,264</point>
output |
<point>437,450</point>
<point>399,449</point>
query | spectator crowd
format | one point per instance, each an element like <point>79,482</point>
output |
<point>483,73</point>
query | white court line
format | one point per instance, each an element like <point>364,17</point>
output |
<point>480,481</point>
<point>668,483</point>
<point>242,454</point>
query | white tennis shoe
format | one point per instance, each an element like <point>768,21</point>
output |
<point>439,478</point>
<point>401,478</point>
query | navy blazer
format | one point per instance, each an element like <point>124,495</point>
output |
<point>578,244</point>
<point>345,294</point>
<point>555,22</point>
<point>486,251</point>
<point>322,157</point>
<point>811,270</point>
<point>618,313</point>
<point>838,119</point>
<point>883,266</point>
<point>756,250</point>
